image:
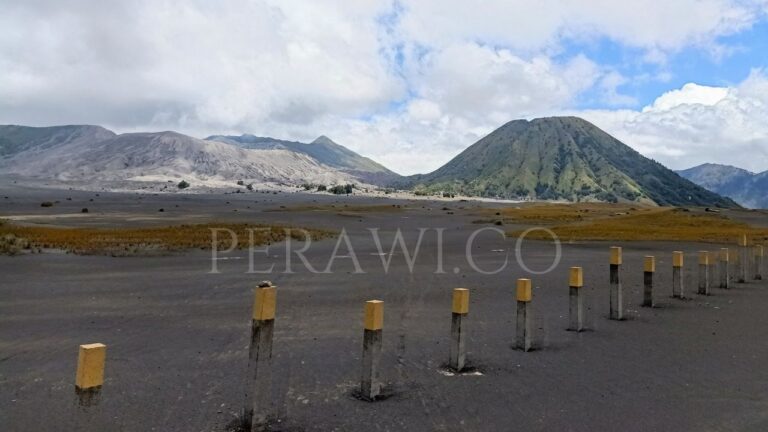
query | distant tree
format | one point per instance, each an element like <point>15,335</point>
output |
<point>240,183</point>
<point>341,189</point>
<point>183,184</point>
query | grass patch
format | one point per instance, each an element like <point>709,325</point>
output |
<point>549,214</point>
<point>656,224</point>
<point>137,241</point>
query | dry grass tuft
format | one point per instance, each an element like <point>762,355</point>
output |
<point>132,241</point>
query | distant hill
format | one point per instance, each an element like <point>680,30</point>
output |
<point>94,154</point>
<point>562,158</point>
<point>744,187</point>
<point>325,151</point>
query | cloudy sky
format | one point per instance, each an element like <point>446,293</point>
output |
<point>408,83</point>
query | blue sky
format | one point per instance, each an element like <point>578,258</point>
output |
<point>747,50</point>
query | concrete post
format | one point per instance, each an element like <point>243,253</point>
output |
<point>258,406</point>
<point>524,296</point>
<point>743,259</point>
<point>725,257</point>
<point>704,273</point>
<point>617,295</point>
<point>759,262</point>
<point>649,268</point>
<point>90,373</point>
<point>373,323</point>
<point>678,259</point>
<point>458,348</point>
<point>576,300</point>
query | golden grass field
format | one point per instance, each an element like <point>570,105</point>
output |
<point>127,241</point>
<point>342,208</point>
<point>548,214</point>
<point>631,223</point>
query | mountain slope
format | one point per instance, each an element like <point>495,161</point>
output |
<point>562,158</point>
<point>325,151</point>
<point>745,187</point>
<point>16,139</point>
<point>87,155</point>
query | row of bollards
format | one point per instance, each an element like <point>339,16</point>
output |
<point>258,406</point>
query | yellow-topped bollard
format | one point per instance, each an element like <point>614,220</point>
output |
<point>373,327</point>
<point>616,255</point>
<point>649,268</point>
<point>576,277</point>
<point>460,301</point>
<point>90,373</point>
<point>704,273</point>
<point>724,258</point>
<point>524,292</point>
<point>90,366</point>
<point>259,406</point>
<point>265,303</point>
<point>678,258</point>
<point>524,338</point>
<point>374,315</point>
<point>743,271</point>
<point>576,299</point>
<point>616,291</point>
<point>458,346</point>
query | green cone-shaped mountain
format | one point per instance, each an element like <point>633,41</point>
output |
<point>562,158</point>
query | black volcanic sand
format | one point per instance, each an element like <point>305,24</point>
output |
<point>177,335</point>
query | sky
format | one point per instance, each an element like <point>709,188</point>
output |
<point>408,83</point>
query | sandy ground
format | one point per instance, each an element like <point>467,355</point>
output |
<point>177,335</point>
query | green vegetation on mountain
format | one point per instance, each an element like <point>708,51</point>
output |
<point>562,158</point>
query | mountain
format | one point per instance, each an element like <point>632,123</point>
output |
<point>744,187</point>
<point>325,151</point>
<point>90,153</point>
<point>562,158</point>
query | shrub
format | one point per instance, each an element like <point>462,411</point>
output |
<point>183,184</point>
<point>46,204</point>
<point>322,188</point>
<point>341,189</point>
<point>12,245</point>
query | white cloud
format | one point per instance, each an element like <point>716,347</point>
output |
<point>409,83</point>
<point>689,94</point>
<point>658,25</point>
<point>698,124</point>
<point>192,64</point>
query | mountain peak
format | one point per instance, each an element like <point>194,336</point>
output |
<point>720,167</point>
<point>323,140</point>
